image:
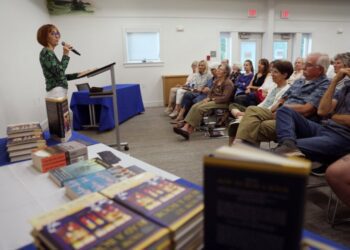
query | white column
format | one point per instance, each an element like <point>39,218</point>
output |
<point>268,35</point>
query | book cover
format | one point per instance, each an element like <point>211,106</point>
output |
<point>100,224</point>
<point>24,127</point>
<point>89,183</point>
<point>162,201</point>
<point>20,158</point>
<point>29,145</point>
<point>58,118</point>
<point>73,171</point>
<point>109,157</point>
<point>253,199</point>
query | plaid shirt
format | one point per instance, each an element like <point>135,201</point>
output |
<point>301,93</point>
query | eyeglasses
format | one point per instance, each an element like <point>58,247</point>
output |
<point>53,33</point>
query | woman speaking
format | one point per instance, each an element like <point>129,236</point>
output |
<point>54,70</point>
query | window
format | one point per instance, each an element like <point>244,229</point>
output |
<point>280,50</point>
<point>225,45</point>
<point>142,47</point>
<point>248,51</point>
<point>306,41</point>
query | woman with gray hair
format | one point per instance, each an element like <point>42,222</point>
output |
<point>341,61</point>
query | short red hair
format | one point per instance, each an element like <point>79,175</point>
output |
<point>43,33</point>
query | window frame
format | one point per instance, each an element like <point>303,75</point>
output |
<point>128,63</point>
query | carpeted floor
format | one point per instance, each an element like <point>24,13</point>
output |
<point>152,140</point>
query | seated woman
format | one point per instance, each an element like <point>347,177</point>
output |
<point>235,73</point>
<point>172,93</point>
<point>192,97</point>
<point>250,97</point>
<point>198,82</point>
<point>298,70</point>
<point>280,73</point>
<point>218,97</point>
<point>243,80</point>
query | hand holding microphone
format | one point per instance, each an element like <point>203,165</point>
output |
<point>67,48</point>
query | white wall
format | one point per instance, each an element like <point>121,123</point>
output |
<point>21,82</point>
<point>99,38</point>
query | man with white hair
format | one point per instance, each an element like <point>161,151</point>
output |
<point>258,124</point>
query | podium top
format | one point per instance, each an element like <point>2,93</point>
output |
<point>99,70</point>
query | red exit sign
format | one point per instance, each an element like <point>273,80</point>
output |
<point>252,13</point>
<point>284,14</point>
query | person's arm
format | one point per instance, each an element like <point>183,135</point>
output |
<point>250,85</point>
<point>306,109</point>
<point>343,119</point>
<point>278,104</point>
<point>227,92</point>
<point>327,103</point>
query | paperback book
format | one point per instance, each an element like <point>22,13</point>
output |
<point>96,222</point>
<point>48,158</point>
<point>74,150</point>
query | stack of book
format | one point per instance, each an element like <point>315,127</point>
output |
<point>48,158</point>
<point>171,205</point>
<point>94,222</point>
<point>75,151</point>
<point>22,139</point>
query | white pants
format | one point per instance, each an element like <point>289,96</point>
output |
<point>57,92</point>
<point>179,95</point>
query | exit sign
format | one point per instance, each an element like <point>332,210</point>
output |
<point>252,13</point>
<point>284,14</point>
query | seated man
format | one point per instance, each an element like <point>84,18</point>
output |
<point>258,124</point>
<point>324,142</point>
<point>338,178</point>
<point>218,97</point>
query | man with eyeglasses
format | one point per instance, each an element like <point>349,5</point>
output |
<point>324,142</point>
<point>258,124</point>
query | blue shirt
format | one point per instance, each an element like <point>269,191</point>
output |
<point>302,93</point>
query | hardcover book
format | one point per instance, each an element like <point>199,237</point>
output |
<point>25,139</point>
<point>96,222</point>
<point>165,202</point>
<point>75,170</point>
<point>30,145</point>
<point>58,118</point>
<point>253,199</point>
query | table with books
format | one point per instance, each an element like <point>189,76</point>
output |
<point>129,104</point>
<point>26,194</point>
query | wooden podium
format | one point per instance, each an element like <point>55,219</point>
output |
<point>170,81</point>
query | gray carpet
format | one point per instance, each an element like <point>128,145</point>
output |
<point>152,140</point>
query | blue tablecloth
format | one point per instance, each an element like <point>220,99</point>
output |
<point>4,157</point>
<point>129,104</point>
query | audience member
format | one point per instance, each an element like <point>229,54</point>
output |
<point>192,97</point>
<point>236,72</point>
<point>243,80</point>
<point>258,124</point>
<point>280,73</point>
<point>324,142</point>
<point>198,82</point>
<point>341,61</point>
<point>172,94</point>
<point>338,178</point>
<point>218,97</point>
<point>250,97</point>
<point>298,70</point>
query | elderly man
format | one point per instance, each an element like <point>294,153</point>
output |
<point>324,142</point>
<point>303,96</point>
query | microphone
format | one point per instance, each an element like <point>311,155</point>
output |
<point>72,49</point>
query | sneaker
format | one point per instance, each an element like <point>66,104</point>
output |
<point>173,114</point>
<point>320,171</point>
<point>287,150</point>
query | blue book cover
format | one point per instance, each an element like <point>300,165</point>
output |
<point>89,183</point>
<point>76,170</point>
<point>103,225</point>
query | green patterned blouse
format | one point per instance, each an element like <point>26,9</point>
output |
<point>54,70</point>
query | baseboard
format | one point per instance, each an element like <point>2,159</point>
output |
<point>153,104</point>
